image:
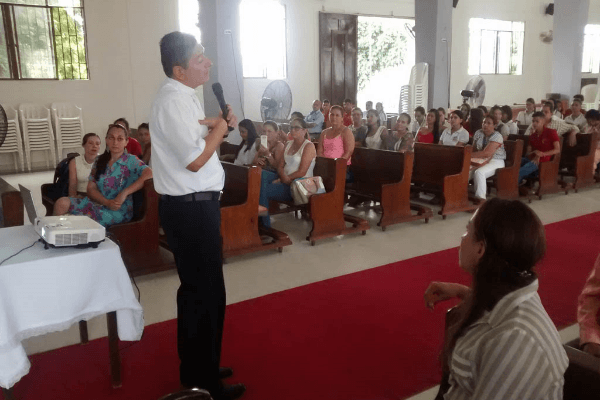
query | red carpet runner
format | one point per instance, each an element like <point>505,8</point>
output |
<point>363,336</point>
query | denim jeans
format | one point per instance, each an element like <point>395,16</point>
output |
<point>528,169</point>
<point>272,191</point>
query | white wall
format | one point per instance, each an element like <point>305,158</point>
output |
<point>124,65</point>
<point>303,47</point>
<point>537,60</point>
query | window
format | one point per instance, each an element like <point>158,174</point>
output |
<point>495,47</point>
<point>188,18</point>
<point>42,39</point>
<point>591,49</point>
<point>263,39</point>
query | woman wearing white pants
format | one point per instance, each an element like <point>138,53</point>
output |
<point>488,155</point>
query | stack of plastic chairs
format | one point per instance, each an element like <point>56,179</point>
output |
<point>13,142</point>
<point>37,132</point>
<point>68,126</point>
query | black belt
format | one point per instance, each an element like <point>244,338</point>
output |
<point>198,196</point>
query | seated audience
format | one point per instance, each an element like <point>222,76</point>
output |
<point>419,121</point>
<point>576,117</point>
<point>504,345</point>
<point>270,158</point>
<point>315,120</point>
<point>543,144</point>
<point>133,146</point>
<point>588,312</point>
<point>567,130</point>
<point>81,166</point>
<point>488,155</point>
<point>593,126</point>
<point>358,128</point>
<point>558,108</point>
<point>298,162</point>
<point>524,117</point>
<point>114,177</point>
<point>337,141</point>
<point>250,142</point>
<point>430,133</point>
<point>456,135</point>
<point>382,116</point>
<point>507,120</point>
<point>348,106</point>
<point>496,111</point>
<point>476,120</point>
<point>401,140</point>
<point>144,134</point>
<point>465,108</point>
<point>368,106</point>
<point>325,110</point>
<point>373,139</point>
<point>443,123</point>
<point>484,110</point>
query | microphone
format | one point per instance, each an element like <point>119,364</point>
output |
<point>218,91</point>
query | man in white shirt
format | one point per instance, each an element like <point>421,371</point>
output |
<point>315,120</point>
<point>189,178</point>
<point>577,118</point>
<point>560,126</point>
<point>524,117</point>
<point>507,116</point>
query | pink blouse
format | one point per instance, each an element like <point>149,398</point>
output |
<point>334,148</point>
<point>589,306</point>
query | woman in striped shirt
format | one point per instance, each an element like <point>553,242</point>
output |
<point>503,345</point>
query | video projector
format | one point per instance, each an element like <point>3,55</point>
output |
<point>69,231</point>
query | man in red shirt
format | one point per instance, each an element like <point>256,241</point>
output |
<point>348,106</point>
<point>326,107</point>
<point>543,144</point>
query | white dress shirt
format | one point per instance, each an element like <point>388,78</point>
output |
<point>580,121</point>
<point>177,140</point>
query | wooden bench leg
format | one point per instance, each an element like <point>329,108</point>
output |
<point>83,332</point>
<point>8,394</point>
<point>113,349</point>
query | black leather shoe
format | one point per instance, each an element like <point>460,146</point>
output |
<point>230,392</point>
<point>225,372</point>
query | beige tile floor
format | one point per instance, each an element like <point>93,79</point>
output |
<point>263,273</point>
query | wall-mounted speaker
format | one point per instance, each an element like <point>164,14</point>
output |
<point>454,3</point>
<point>550,9</point>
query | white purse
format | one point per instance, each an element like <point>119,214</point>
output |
<point>302,189</point>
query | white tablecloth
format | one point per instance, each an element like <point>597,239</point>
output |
<point>45,291</point>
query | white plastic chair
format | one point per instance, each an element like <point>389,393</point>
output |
<point>13,143</point>
<point>67,120</point>
<point>589,93</point>
<point>37,132</point>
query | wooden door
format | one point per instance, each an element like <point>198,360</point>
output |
<point>337,50</point>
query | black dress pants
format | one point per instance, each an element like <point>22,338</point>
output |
<point>193,231</point>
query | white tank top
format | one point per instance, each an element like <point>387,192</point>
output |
<point>292,162</point>
<point>374,142</point>
<point>83,173</point>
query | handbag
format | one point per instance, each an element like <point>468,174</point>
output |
<point>303,188</point>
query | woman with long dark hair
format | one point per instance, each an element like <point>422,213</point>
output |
<point>430,133</point>
<point>503,344</point>
<point>114,177</point>
<point>247,151</point>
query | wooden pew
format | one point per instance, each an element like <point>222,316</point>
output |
<point>11,206</point>
<point>326,210</point>
<point>444,170</point>
<point>506,180</point>
<point>385,176</point>
<point>227,148</point>
<point>578,160</point>
<point>239,214</point>
<point>582,377</point>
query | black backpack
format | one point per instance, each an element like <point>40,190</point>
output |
<point>60,185</point>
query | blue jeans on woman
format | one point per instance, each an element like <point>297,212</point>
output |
<point>272,191</point>
<point>528,169</point>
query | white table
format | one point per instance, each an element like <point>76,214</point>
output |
<point>44,291</point>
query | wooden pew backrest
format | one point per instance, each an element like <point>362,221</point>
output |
<point>11,206</point>
<point>433,162</point>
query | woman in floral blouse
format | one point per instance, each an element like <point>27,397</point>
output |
<point>114,177</point>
